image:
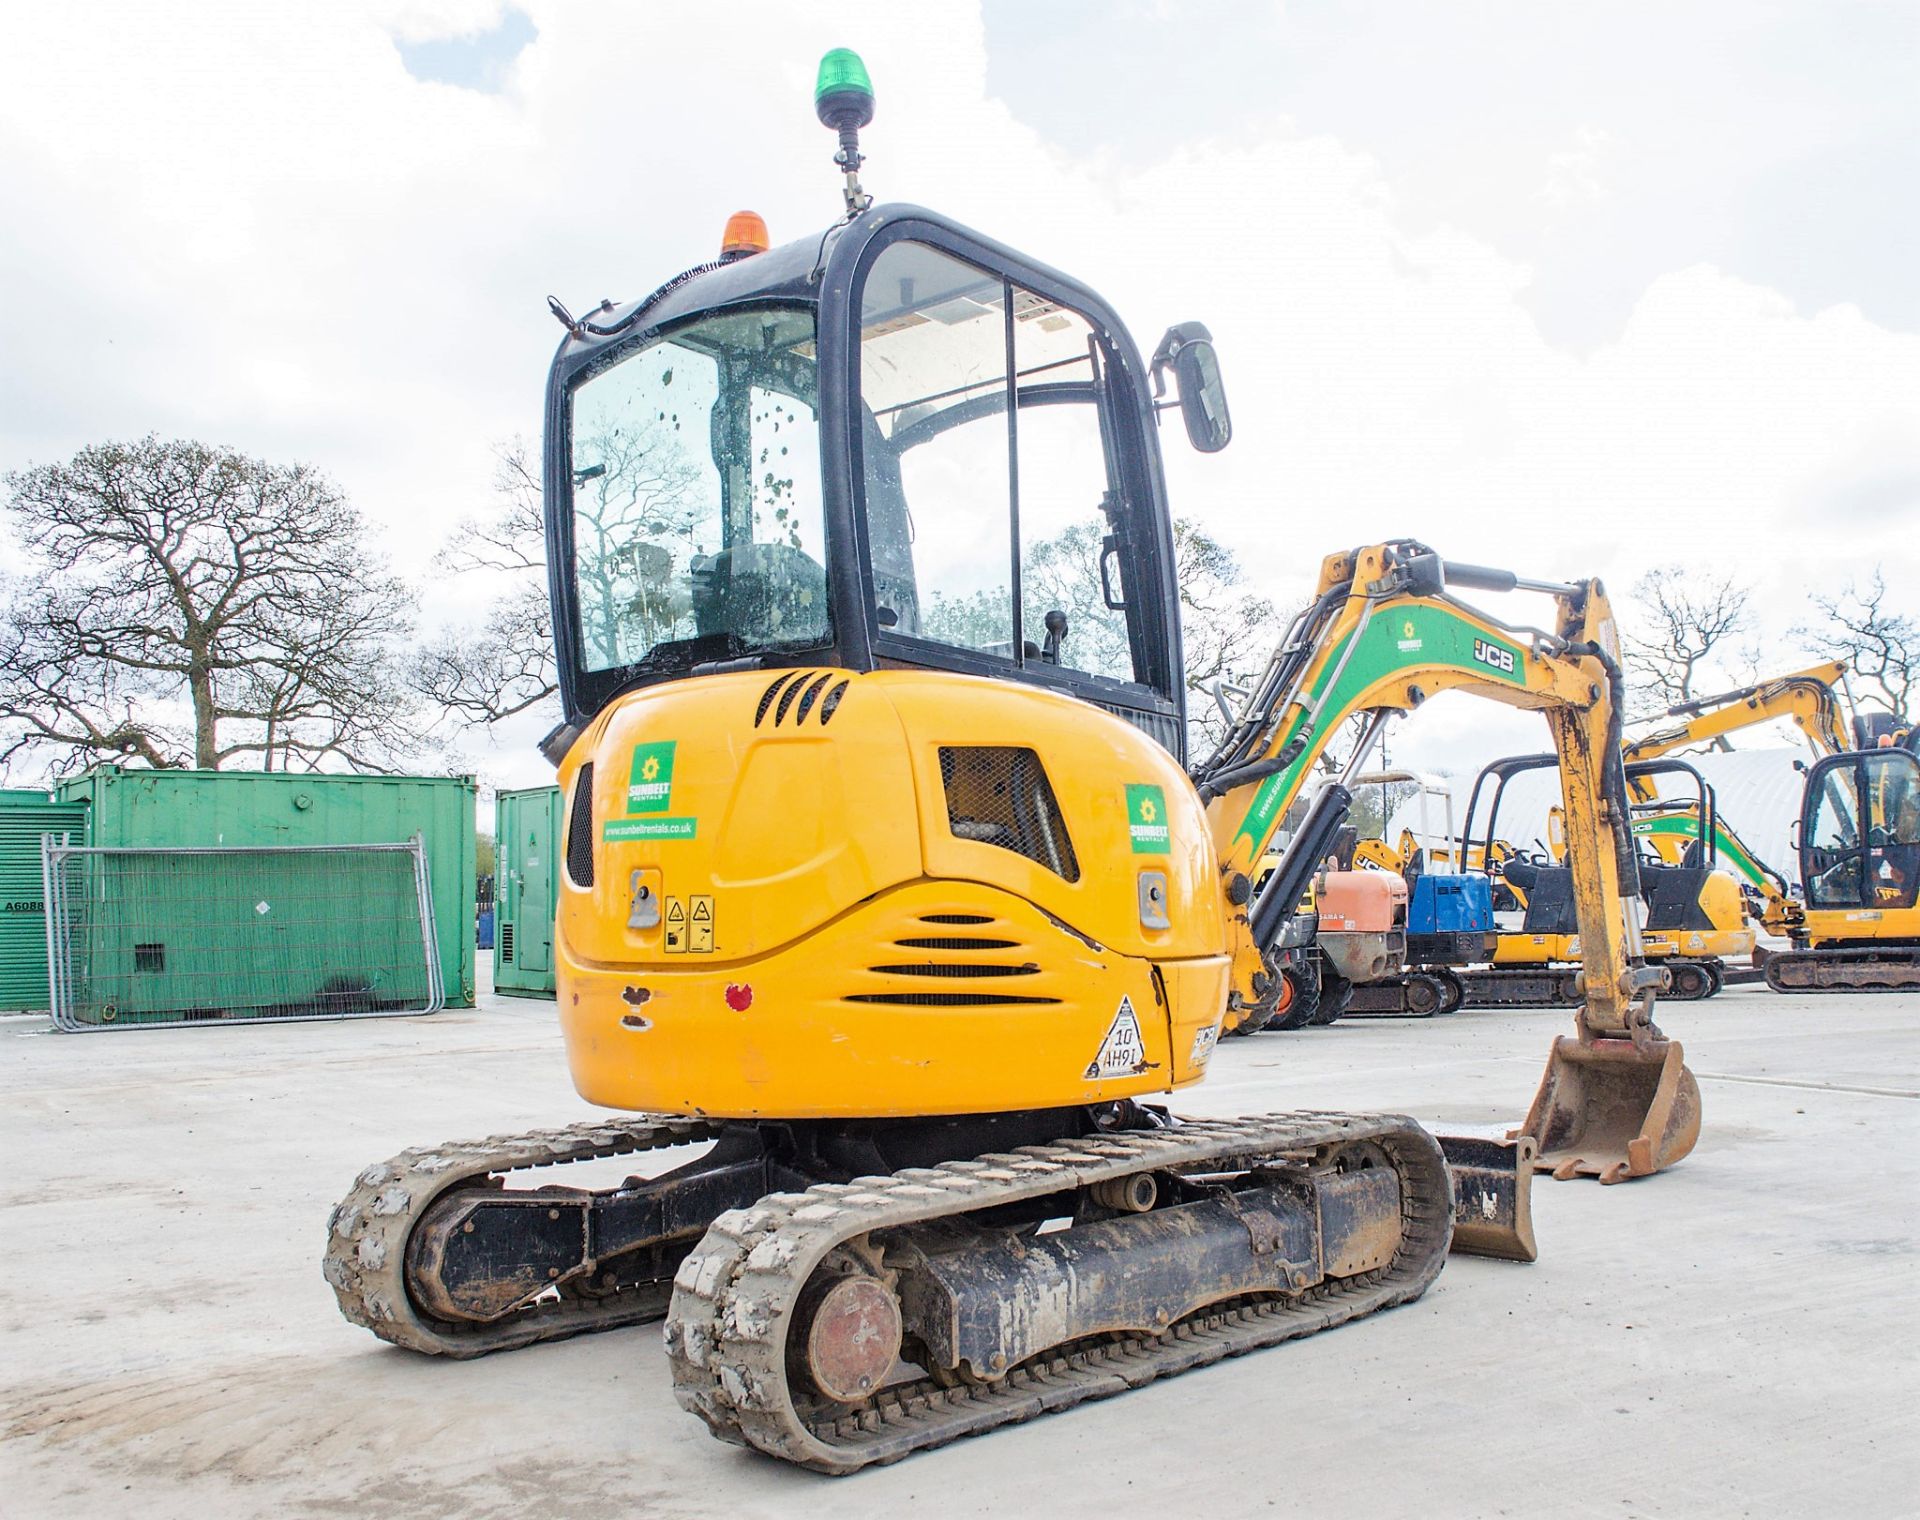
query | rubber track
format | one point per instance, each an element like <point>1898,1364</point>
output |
<point>735,1294</point>
<point>1483,989</point>
<point>367,1234</point>
<point>1875,970</point>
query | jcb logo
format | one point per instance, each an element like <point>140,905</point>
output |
<point>1494,656</point>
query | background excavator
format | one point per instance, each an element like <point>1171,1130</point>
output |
<point>885,886</point>
<point>1400,934</point>
<point>1856,925</point>
<point>1695,915</point>
<point>1703,888</point>
<point>1859,842</point>
<point>1809,700</point>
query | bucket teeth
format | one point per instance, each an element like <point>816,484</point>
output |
<point>1613,1109</point>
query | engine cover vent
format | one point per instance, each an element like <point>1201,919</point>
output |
<point>799,693</point>
<point>999,795</point>
<point>580,830</point>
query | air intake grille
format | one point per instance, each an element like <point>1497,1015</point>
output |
<point>801,694</point>
<point>506,942</point>
<point>999,795</point>
<point>580,830</point>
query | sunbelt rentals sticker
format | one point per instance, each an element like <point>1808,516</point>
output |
<point>650,782</point>
<point>649,797</point>
<point>1147,820</point>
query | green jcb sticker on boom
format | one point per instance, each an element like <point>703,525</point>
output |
<point>650,782</point>
<point>1420,637</point>
<point>1147,820</point>
<point>648,828</point>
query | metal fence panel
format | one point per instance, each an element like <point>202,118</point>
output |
<point>239,935</point>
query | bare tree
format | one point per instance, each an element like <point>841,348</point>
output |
<point>188,605</point>
<point>506,665</point>
<point>1375,804</point>
<point>1226,631</point>
<point>1881,646</point>
<point>640,496</point>
<point>1681,635</point>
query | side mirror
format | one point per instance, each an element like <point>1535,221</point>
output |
<point>1187,350</point>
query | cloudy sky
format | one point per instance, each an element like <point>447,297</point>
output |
<point>1579,289</point>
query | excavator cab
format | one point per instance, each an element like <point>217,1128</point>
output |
<point>900,446</point>
<point>1860,832</point>
<point>1859,847</point>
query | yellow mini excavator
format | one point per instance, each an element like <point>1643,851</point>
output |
<point>1806,698</point>
<point>1856,927</point>
<point>1694,920</point>
<point>887,902</point>
<point>1859,839</point>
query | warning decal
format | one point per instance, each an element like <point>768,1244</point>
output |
<point>700,925</point>
<point>1123,1053</point>
<point>676,941</point>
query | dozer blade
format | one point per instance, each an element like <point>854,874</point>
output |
<point>1492,1195</point>
<point>1613,1109</point>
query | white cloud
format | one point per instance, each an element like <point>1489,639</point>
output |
<point>251,224</point>
<point>1574,175</point>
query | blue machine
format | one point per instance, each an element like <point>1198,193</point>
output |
<point>1449,919</point>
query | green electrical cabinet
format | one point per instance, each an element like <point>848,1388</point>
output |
<point>527,834</point>
<point>25,818</point>
<point>187,809</point>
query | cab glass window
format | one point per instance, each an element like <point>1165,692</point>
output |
<point>1833,840</point>
<point>989,490</point>
<point>933,387</point>
<point>697,524</point>
<point>1891,783</point>
<point>1066,492</point>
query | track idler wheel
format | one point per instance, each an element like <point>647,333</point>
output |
<point>1613,1109</point>
<point>1692,980</point>
<point>1426,995</point>
<point>847,1333</point>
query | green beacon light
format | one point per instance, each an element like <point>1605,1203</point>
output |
<point>843,100</point>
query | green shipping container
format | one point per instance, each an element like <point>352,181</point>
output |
<point>25,817</point>
<point>204,809</point>
<point>527,834</point>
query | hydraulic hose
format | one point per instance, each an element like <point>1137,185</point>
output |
<point>1613,771</point>
<point>1310,846</point>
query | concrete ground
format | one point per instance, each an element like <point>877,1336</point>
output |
<point>1734,1337</point>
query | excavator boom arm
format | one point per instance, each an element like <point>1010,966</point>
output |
<point>1806,696</point>
<point>1383,636</point>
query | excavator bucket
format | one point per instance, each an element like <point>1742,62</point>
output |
<point>1492,1195</point>
<point>1613,1109</point>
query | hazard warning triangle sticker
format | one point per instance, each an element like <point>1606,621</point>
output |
<point>1123,1052</point>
